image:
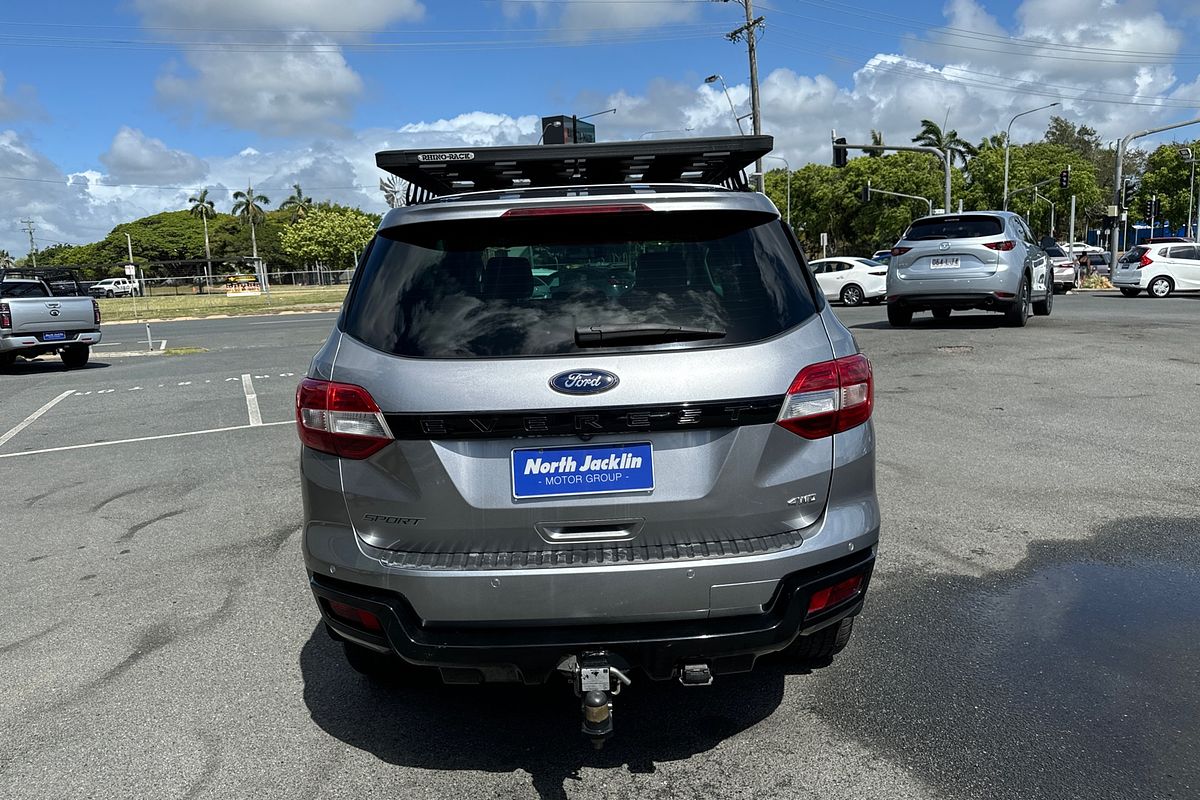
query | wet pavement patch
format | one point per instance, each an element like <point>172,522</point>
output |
<point>1073,675</point>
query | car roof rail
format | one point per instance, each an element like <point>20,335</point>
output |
<point>716,161</point>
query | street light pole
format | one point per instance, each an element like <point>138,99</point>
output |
<point>789,189</point>
<point>1008,136</point>
<point>736,119</point>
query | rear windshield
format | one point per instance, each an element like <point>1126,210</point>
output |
<point>955,227</point>
<point>524,286</point>
<point>1055,251</point>
<point>22,289</point>
<point>1133,255</point>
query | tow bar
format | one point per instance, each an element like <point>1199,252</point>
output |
<point>596,681</point>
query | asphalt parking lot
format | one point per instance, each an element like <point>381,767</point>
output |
<point>1031,630</point>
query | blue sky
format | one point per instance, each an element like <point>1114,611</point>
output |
<point>116,97</point>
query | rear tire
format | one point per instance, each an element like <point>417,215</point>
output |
<point>75,356</point>
<point>1130,292</point>
<point>109,293</point>
<point>899,317</point>
<point>1018,314</point>
<point>941,313</point>
<point>373,665</point>
<point>817,649</point>
<point>852,296</point>
<point>1160,287</point>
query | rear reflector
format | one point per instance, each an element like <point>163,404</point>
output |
<point>831,596</point>
<point>829,397</point>
<point>355,616</point>
<point>561,211</point>
<point>1003,247</point>
<point>339,418</point>
<point>1004,295</point>
<point>899,251</point>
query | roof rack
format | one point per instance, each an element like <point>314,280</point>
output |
<point>63,281</point>
<point>716,161</point>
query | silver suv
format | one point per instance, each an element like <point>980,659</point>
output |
<point>663,464</point>
<point>983,260</point>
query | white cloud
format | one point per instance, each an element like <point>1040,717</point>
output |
<point>346,16</point>
<point>135,157</point>
<point>24,104</point>
<point>590,15</point>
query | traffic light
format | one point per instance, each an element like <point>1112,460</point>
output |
<point>1149,208</point>
<point>1064,178</point>
<point>1127,195</point>
<point>865,194</point>
<point>1157,207</point>
<point>839,152</point>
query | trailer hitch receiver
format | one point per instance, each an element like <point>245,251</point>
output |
<point>596,681</point>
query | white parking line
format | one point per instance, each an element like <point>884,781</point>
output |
<point>25,423</point>
<point>142,439</point>
<point>251,400</point>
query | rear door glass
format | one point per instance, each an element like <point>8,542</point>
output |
<point>468,288</point>
<point>22,289</point>
<point>968,226</point>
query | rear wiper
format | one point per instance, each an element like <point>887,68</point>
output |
<point>618,335</point>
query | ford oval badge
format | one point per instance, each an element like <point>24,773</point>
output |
<point>583,381</point>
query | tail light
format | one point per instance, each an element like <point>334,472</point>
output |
<point>1003,247</point>
<point>1145,262</point>
<point>829,397</point>
<point>356,616</point>
<point>831,596</point>
<point>340,419</point>
<point>96,311</point>
<point>899,251</point>
<point>5,316</point>
<point>880,273</point>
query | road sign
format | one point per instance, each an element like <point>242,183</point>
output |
<point>130,270</point>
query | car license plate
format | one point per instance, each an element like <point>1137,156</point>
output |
<point>599,469</point>
<point>56,336</point>
<point>944,262</point>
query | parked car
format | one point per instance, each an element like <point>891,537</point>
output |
<point>40,313</point>
<point>853,281</point>
<point>115,287</point>
<point>985,260</point>
<point>1080,247</point>
<point>1066,271</point>
<point>1159,270</point>
<point>1165,240</point>
<point>1098,264</point>
<point>674,475</point>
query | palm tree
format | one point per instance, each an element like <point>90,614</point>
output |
<point>993,142</point>
<point>932,135</point>
<point>203,208</point>
<point>876,139</point>
<point>298,203</point>
<point>249,206</point>
<point>6,260</point>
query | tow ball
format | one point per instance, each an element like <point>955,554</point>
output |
<point>596,681</point>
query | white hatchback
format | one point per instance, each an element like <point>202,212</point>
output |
<point>853,281</point>
<point>1159,269</point>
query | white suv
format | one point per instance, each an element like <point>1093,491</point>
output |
<point>114,287</point>
<point>1160,269</point>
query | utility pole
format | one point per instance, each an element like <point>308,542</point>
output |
<point>1153,210</point>
<point>748,31</point>
<point>29,228</point>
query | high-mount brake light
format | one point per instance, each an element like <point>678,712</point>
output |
<point>1003,247</point>
<point>564,211</point>
<point>829,397</point>
<point>899,251</point>
<point>5,316</point>
<point>340,419</point>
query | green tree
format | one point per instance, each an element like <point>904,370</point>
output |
<point>330,237</point>
<point>250,208</point>
<point>876,139</point>
<point>6,260</point>
<point>932,135</point>
<point>297,204</point>
<point>1169,177</point>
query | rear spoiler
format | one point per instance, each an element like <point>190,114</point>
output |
<point>716,161</point>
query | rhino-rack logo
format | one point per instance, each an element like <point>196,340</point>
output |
<point>446,157</point>
<point>384,519</point>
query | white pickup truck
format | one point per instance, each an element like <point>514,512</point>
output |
<point>45,311</point>
<point>115,287</point>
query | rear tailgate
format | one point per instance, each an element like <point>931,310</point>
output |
<point>954,246</point>
<point>33,315</point>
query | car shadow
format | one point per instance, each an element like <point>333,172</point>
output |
<point>41,367</point>
<point>421,723</point>
<point>964,322</point>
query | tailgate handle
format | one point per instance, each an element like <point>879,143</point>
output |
<point>600,530</point>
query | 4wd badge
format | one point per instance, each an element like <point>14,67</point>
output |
<point>445,156</point>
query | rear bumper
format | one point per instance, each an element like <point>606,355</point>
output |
<point>31,343</point>
<point>1129,278</point>
<point>961,301</point>
<point>1064,274</point>
<point>531,653</point>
